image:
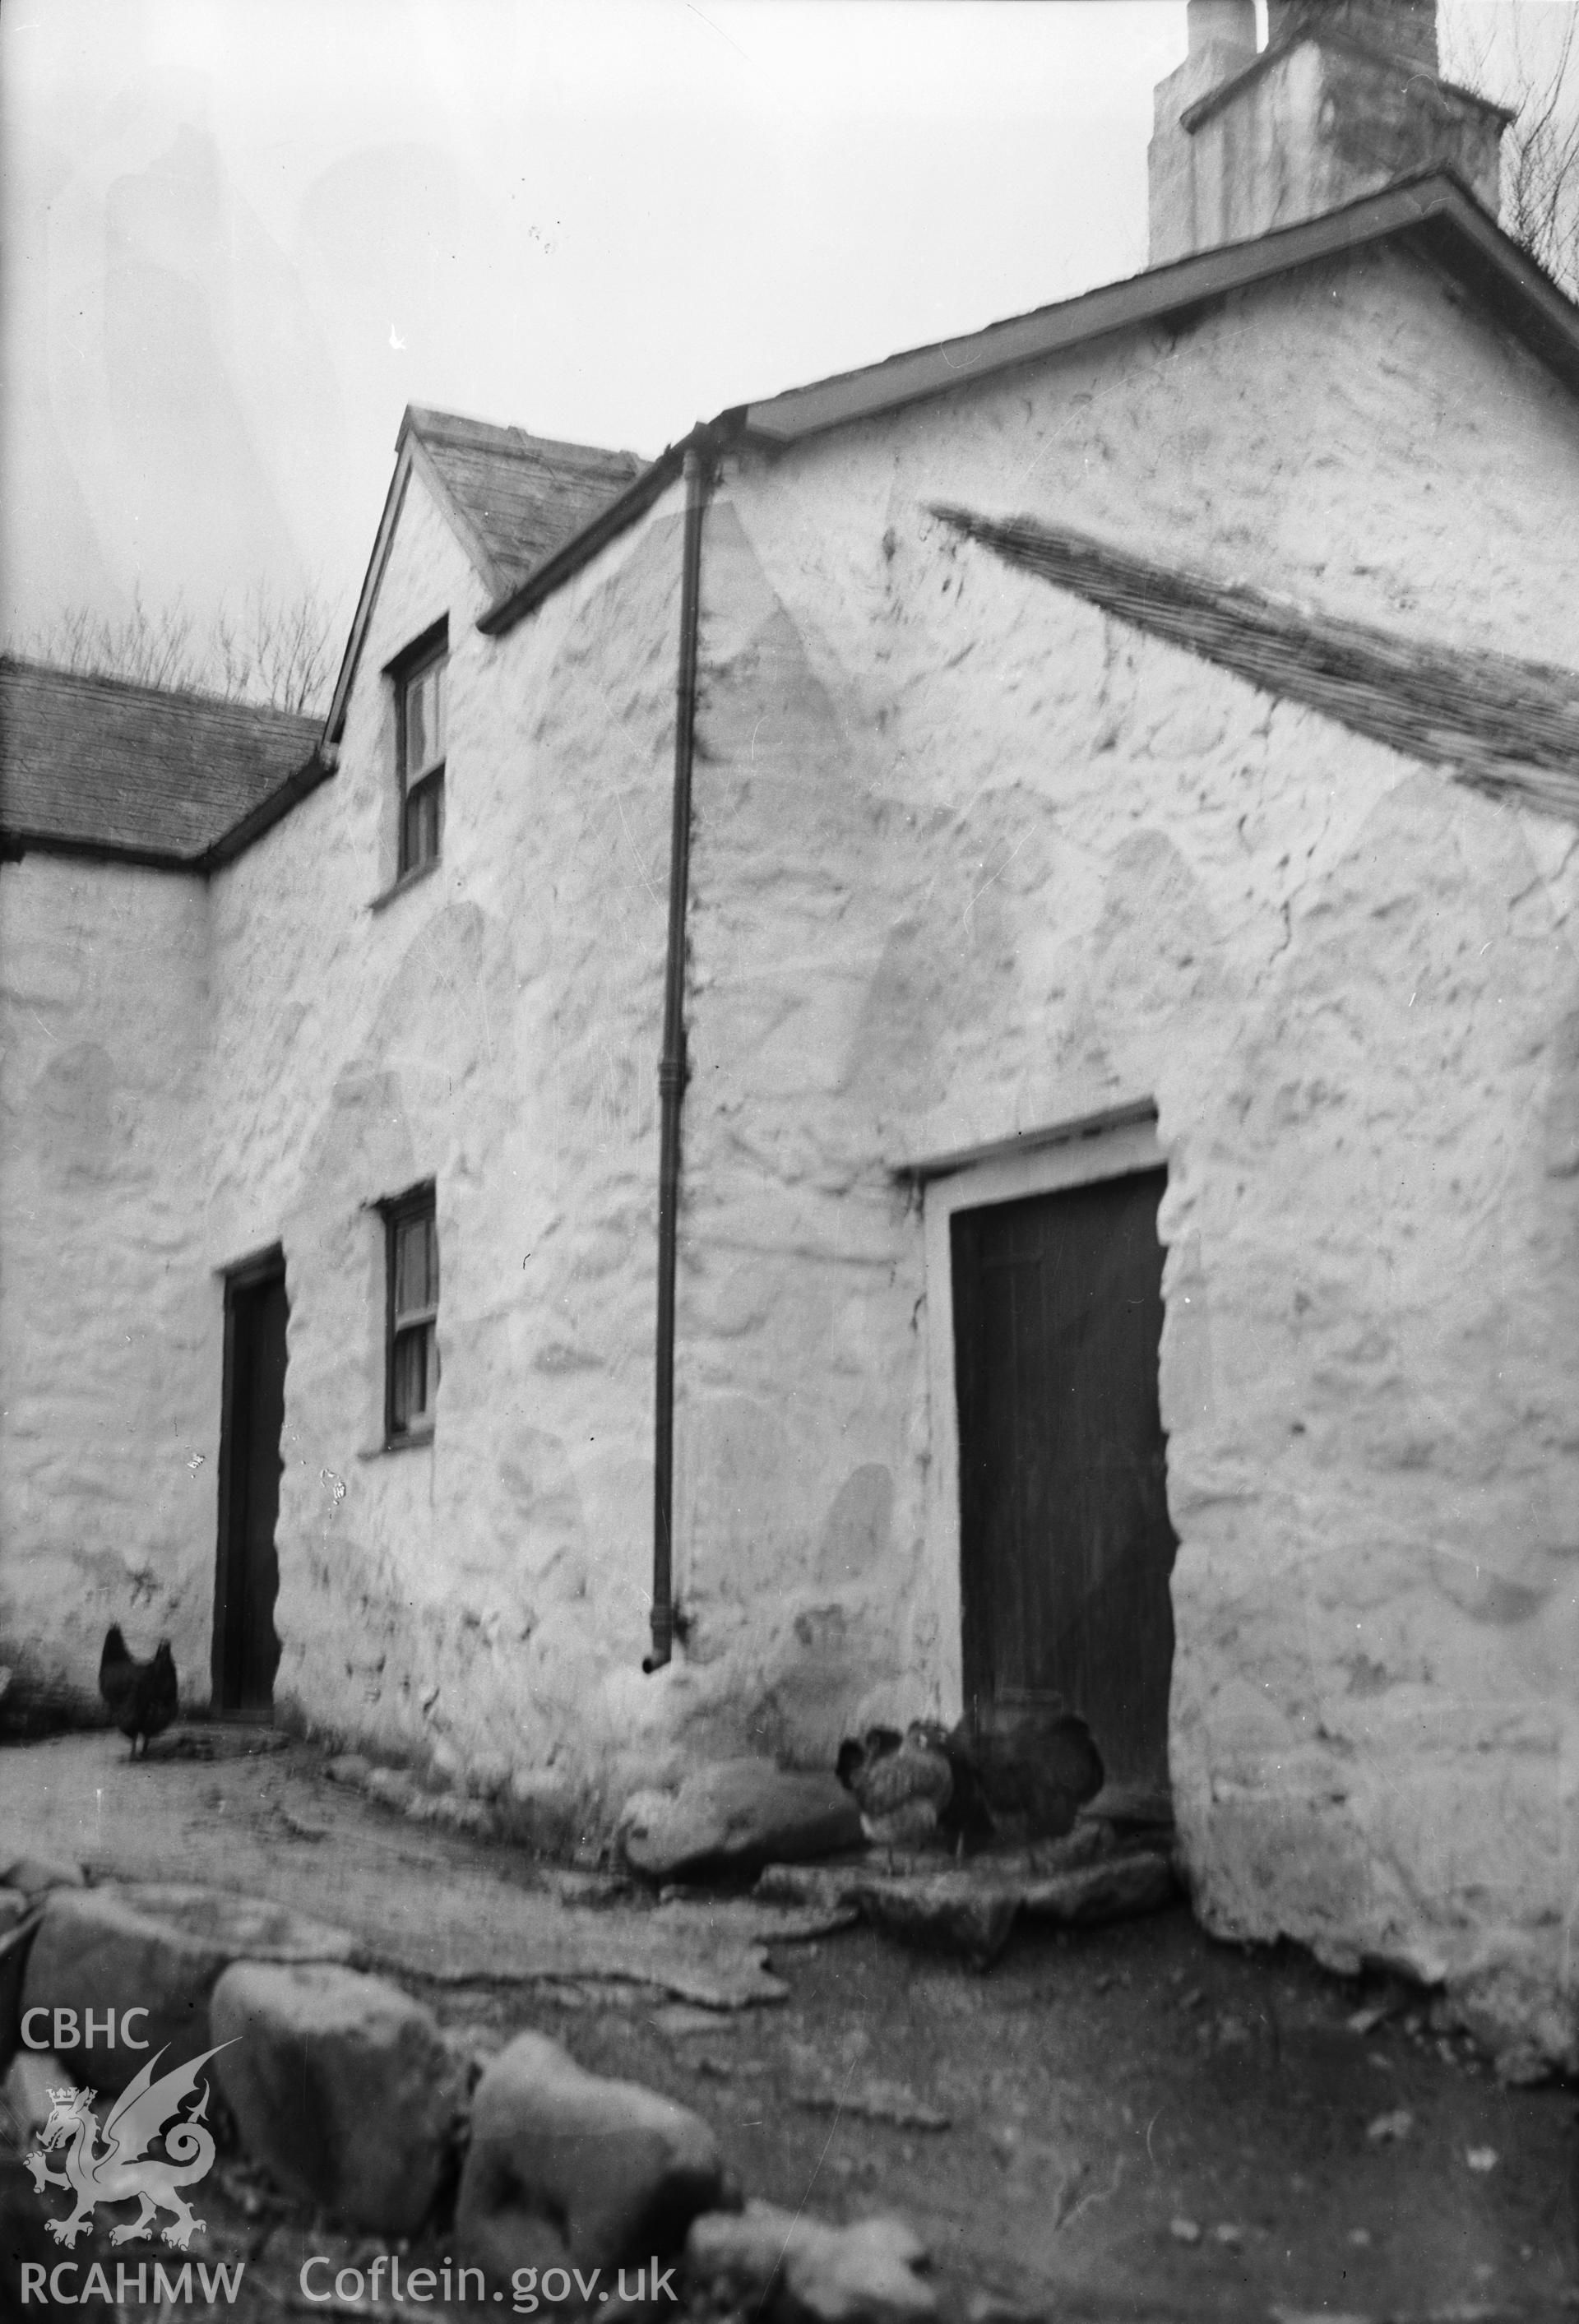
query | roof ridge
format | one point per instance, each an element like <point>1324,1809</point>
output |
<point>199,697</point>
<point>427,421</point>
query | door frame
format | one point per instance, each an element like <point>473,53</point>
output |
<point>1042,1163</point>
<point>248,1275</point>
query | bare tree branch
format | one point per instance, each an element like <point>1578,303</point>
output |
<point>1540,151</point>
<point>278,652</point>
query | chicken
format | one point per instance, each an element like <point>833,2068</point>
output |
<point>941,1784</point>
<point>1040,1776</point>
<point>142,1696</point>
<point>914,1788</point>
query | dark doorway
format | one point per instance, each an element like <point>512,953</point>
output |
<point>246,1652</point>
<point>1065,1545</point>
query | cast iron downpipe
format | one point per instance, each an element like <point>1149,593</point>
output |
<point>671,1062</point>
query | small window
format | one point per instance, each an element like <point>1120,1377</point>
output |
<point>413,1368</point>
<point>419,694</point>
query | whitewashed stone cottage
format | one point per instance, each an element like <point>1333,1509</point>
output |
<point>1084,818</point>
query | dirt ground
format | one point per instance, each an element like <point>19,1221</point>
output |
<point>1129,2123</point>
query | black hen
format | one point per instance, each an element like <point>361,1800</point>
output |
<point>142,1696</point>
<point>1040,1776</point>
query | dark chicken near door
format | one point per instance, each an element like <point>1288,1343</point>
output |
<point>142,1696</point>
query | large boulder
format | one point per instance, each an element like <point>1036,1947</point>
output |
<point>342,2086</point>
<point>736,1816</point>
<point>35,1876</point>
<point>16,1936</point>
<point>783,2268</point>
<point>24,2095</point>
<point>567,2170</point>
<point>159,1950</point>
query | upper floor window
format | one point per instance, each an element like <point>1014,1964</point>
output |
<point>419,694</point>
<point>413,1355</point>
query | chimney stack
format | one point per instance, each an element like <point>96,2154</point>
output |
<point>1404,29</point>
<point>1344,99</point>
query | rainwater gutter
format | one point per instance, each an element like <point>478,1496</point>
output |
<point>671,1062</point>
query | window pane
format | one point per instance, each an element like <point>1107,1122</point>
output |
<point>416,1266</point>
<point>424,699</point>
<point>413,1343</point>
<point>422,828</point>
<point>410,1377</point>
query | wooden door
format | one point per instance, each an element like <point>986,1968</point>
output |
<point>246,1652</point>
<point>1064,1541</point>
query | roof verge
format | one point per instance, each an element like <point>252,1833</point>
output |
<point>1506,727</point>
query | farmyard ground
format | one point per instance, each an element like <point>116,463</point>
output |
<point>1138,2123</point>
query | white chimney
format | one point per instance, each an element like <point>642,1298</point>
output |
<point>1344,99</point>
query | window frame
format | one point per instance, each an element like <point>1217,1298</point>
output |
<point>424,655</point>
<point>398,1212</point>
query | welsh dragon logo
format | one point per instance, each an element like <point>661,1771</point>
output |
<point>123,2169</point>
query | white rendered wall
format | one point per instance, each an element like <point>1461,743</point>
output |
<point>493,1027</point>
<point>971,860</point>
<point>110,1329</point>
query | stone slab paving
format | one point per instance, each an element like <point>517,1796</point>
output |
<point>423,1901</point>
<point>970,1908</point>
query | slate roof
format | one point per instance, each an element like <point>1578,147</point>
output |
<point>514,499</point>
<point>522,496</point>
<point>97,766</point>
<point>1507,727</point>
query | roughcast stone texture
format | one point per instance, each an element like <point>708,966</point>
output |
<point>785,2269</point>
<point>161,1949</point>
<point>737,1815</point>
<point>343,2087</point>
<point>567,2169</point>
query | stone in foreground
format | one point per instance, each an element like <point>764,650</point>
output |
<point>159,1950</point>
<point>737,1815</point>
<point>949,1913</point>
<point>782,2268</point>
<point>16,1936</point>
<point>567,2170</point>
<point>24,2094</point>
<point>34,1876</point>
<point>1114,1888</point>
<point>970,1910</point>
<point>342,2086</point>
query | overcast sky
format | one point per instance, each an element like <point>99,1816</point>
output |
<point>242,234</point>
